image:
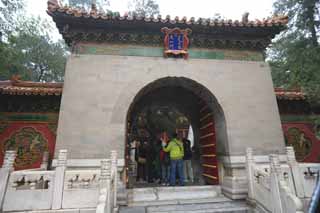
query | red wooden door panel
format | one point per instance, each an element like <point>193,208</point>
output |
<point>208,146</point>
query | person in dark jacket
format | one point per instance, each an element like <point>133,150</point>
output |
<point>141,158</point>
<point>187,161</point>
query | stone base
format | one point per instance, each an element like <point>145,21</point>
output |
<point>233,174</point>
<point>235,187</point>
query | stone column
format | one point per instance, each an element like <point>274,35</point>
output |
<point>294,166</point>
<point>7,167</point>
<point>249,168</point>
<point>274,184</point>
<point>59,179</point>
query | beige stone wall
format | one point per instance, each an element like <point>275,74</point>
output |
<point>99,89</point>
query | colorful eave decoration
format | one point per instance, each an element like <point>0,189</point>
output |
<point>176,42</point>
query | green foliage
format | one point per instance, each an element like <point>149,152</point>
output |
<point>8,61</point>
<point>9,10</point>
<point>86,4</point>
<point>145,8</point>
<point>31,53</point>
<point>295,54</point>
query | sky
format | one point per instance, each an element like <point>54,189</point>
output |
<point>230,9</point>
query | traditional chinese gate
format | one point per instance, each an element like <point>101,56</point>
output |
<point>208,146</point>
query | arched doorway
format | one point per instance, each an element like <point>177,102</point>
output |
<point>200,108</point>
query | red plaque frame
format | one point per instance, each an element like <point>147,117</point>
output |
<point>184,51</point>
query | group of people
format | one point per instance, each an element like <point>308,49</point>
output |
<point>166,162</point>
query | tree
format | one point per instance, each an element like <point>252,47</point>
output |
<point>144,8</point>
<point>32,54</point>
<point>9,10</point>
<point>295,54</point>
<point>101,4</point>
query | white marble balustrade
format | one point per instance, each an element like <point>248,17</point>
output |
<point>282,187</point>
<point>60,188</point>
<point>81,189</point>
<point>28,190</point>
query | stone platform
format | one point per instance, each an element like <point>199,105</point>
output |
<point>195,199</point>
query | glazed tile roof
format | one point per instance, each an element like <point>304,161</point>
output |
<point>77,24</point>
<point>18,87</point>
<point>287,94</point>
<point>53,7</point>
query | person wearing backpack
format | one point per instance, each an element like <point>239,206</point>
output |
<point>187,163</point>
<point>176,152</point>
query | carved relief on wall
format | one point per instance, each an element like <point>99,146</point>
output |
<point>304,141</point>
<point>29,144</point>
<point>30,140</point>
<point>301,144</point>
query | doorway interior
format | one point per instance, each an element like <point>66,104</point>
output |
<point>173,104</point>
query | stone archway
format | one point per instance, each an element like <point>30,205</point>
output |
<point>201,108</point>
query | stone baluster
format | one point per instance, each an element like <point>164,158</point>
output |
<point>297,177</point>
<point>9,159</point>
<point>275,164</point>
<point>104,200</point>
<point>45,160</point>
<point>59,179</point>
<point>7,167</point>
<point>114,168</point>
<point>104,172</point>
<point>275,170</point>
<point>250,173</point>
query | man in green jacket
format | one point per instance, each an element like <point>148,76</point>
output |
<point>175,148</point>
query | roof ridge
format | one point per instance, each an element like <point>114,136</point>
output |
<point>54,6</point>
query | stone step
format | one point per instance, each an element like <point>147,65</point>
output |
<point>200,208</point>
<point>171,195</point>
<point>228,207</point>
<point>179,202</point>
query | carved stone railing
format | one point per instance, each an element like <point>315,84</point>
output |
<point>28,190</point>
<point>83,184</point>
<point>108,186</point>
<point>59,189</point>
<point>272,187</point>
